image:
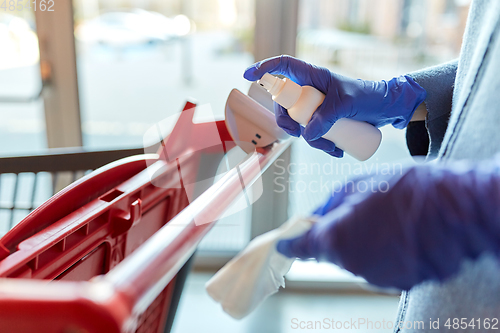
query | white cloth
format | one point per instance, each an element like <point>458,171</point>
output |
<point>255,273</point>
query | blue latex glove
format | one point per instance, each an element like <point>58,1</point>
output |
<point>376,102</point>
<point>416,226</point>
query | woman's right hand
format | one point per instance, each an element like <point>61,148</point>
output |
<point>400,230</point>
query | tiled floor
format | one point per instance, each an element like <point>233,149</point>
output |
<point>283,312</point>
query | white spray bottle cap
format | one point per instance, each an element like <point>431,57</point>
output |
<point>285,92</point>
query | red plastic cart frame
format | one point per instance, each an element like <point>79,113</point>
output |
<point>127,221</point>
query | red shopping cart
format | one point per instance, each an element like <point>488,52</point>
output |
<point>110,252</point>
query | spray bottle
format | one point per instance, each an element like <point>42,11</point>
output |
<point>357,138</point>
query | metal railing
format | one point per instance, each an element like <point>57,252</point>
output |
<point>59,167</point>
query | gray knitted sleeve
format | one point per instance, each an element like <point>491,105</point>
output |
<point>438,81</point>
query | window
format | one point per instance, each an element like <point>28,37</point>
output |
<point>138,61</point>
<point>22,127</point>
<point>370,40</point>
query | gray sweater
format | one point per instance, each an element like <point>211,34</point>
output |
<point>463,122</point>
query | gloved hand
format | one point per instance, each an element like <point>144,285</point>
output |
<point>376,102</point>
<point>413,227</point>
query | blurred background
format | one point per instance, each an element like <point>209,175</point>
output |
<point>99,73</point>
